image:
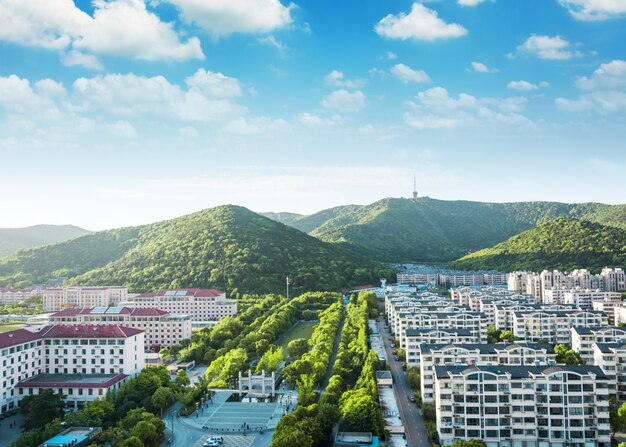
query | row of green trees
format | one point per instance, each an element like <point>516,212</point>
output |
<point>315,361</point>
<point>128,416</point>
<point>351,394</point>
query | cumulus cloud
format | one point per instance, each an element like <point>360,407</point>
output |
<point>479,67</point>
<point>589,10</point>
<point>526,86</point>
<point>311,120</point>
<point>469,2</point>
<point>225,17</point>
<point>337,78</point>
<point>122,129</point>
<point>406,74</point>
<point>421,23</point>
<point>274,42</point>
<point>609,75</point>
<point>606,90</point>
<point>214,85</point>
<point>74,58</point>
<point>118,27</point>
<point>345,101</point>
<point>436,109</point>
<point>546,47</point>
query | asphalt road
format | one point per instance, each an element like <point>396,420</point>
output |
<point>416,433</point>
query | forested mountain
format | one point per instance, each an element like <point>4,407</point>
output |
<point>13,239</point>
<point>562,243</point>
<point>427,229</point>
<point>227,247</point>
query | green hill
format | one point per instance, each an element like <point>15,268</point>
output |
<point>13,239</point>
<point>562,243</point>
<point>401,230</point>
<point>227,247</point>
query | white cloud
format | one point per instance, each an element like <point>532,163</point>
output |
<point>526,86</point>
<point>214,85</point>
<point>337,78</point>
<point>118,27</point>
<point>436,109</point>
<point>390,55</point>
<point>479,67</point>
<point>546,47</point>
<point>225,17</point>
<point>470,2</point>
<point>345,101</point>
<point>74,58</point>
<point>421,23</point>
<point>595,9</point>
<point>610,75</point>
<point>122,129</point>
<point>406,74</point>
<point>189,132</point>
<point>273,42</point>
<point>311,120</point>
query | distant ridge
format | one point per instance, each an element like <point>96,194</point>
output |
<point>13,239</point>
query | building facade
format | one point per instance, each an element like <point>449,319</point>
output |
<point>57,298</point>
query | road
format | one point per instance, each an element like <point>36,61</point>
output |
<point>185,434</point>
<point>416,433</point>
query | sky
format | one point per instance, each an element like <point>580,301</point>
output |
<point>125,112</point>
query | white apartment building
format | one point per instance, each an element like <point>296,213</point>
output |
<point>584,298</point>
<point>475,322</point>
<point>55,299</point>
<point>81,361</point>
<point>14,296</point>
<point>415,338</point>
<point>457,354</point>
<point>611,357</point>
<point>206,306</point>
<point>584,337</point>
<point>504,314</point>
<point>619,314</point>
<point>553,326</point>
<point>527,283</point>
<point>507,406</point>
<point>162,329</point>
<point>614,279</point>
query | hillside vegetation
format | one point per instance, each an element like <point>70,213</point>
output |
<point>562,243</point>
<point>401,230</point>
<point>227,247</point>
<point>13,239</point>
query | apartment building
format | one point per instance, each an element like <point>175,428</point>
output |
<point>57,298</point>
<point>584,298</point>
<point>611,358</point>
<point>205,306</point>
<point>504,314</point>
<point>457,354</point>
<point>14,296</point>
<point>162,329</point>
<point>81,361</point>
<point>583,338</point>
<point>475,322</point>
<point>526,283</point>
<point>614,279</point>
<point>553,326</point>
<point>507,406</point>
<point>415,338</point>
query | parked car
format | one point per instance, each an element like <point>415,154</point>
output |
<point>395,352</point>
<point>395,357</point>
<point>206,427</point>
<point>411,398</point>
<point>217,439</point>
<point>210,443</point>
<point>393,345</point>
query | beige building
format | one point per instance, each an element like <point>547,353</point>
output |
<point>55,299</point>
<point>162,329</point>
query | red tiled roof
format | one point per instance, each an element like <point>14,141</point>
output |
<point>17,337</point>
<point>88,331</point>
<point>202,293</point>
<point>147,312</point>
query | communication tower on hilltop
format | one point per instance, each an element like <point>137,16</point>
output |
<point>414,187</point>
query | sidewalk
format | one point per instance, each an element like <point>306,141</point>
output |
<point>10,434</point>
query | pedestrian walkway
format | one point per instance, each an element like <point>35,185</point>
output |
<point>229,441</point>
<point>10,429</point>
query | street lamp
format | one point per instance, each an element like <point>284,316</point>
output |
<point>197,409</point>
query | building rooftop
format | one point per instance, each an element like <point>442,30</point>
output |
<point>73,436</point>
<point>416,332</point>
<point>486,348</point>
<point>17,337</point>
<point>585,330</point>
<point>72,380</point>
<point>519,372</point>
<point>170,293</point>
<point>88,331</point>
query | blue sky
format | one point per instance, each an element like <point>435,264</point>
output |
<point>124,112</point>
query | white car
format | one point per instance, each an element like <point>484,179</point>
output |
<point>217,439</point>
<point>210,443</point>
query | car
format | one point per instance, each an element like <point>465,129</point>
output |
<point>206,427</point>
<point>393,345</point>
<point>411,398</point>
<point>217,439</point>
<point>395,357</point>
<point>395,352</point>
<point>210,443</point>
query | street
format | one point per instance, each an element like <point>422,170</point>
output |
<point>411,416</point>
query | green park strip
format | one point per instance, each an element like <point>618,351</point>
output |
<point>302,329</point>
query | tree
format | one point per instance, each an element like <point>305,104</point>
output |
<point>271,360</point>
<point>161,398</point>
<point>41,408</point>
<point>429,412</point>
<point>493,334</point>
<point>146,432</point>
<point>164,355</point>
<point>306,395</point>
<point>133,441</point>
<point>290,438</point>
<point>567,356</point>
<point>507,337</point>
<point>296,348</point>
<point>182,379</point>
<point>359,411</point>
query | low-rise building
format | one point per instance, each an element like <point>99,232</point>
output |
<point>505,406</point>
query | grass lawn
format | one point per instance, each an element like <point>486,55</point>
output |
<point>10,327</point>
<point>302,329</point>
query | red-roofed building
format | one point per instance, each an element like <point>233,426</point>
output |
<point>163,329</point>
<point>80,353</point>
<point>206,306</point>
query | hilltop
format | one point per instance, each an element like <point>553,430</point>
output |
<point>227,247</point>
<point>13,239</point>
<point>562,243</point>
<point>402,230</point>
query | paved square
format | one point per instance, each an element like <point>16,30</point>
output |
<point>231,415</point>
<point>229,440</point>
